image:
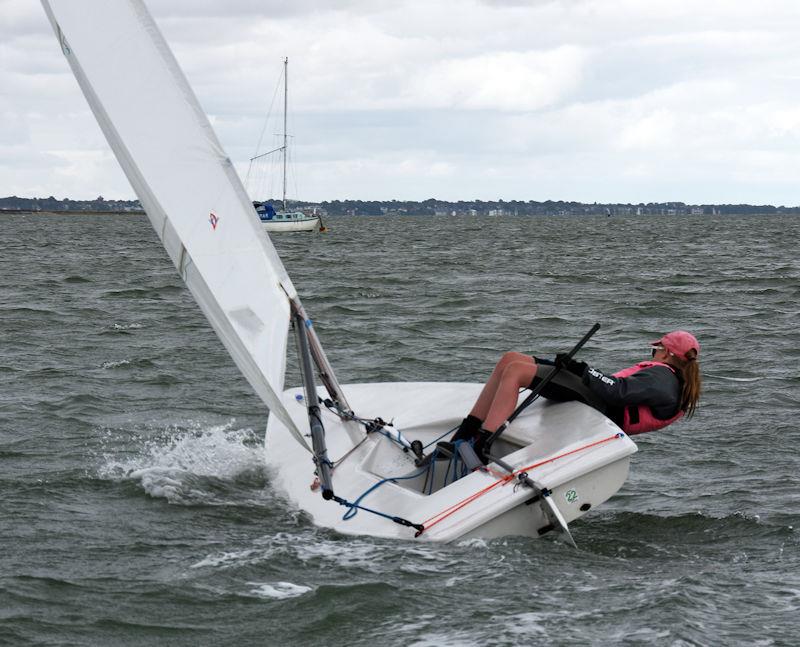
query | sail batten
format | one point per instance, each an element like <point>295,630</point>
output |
<point>185,182</point>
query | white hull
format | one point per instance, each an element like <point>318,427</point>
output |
<point>311,224</point>
<point>568,448</point>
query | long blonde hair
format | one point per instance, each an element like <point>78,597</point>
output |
<point>692,382</point>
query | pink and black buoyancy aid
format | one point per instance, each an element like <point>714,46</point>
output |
<point>639,418</point>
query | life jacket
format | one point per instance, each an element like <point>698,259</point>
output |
<point>639,418</point>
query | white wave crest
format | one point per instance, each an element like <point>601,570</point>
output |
<point>312,547</point>
<point>116,364</point>
<point>174,466</point>
<point>278,590</point>
<point>734,379</point>
<point>232,558</point>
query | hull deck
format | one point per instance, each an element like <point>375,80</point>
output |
<point>568,448</point>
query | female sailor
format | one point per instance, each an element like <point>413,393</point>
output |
<point>644,397</point>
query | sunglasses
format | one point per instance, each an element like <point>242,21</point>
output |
<point>657,349</point>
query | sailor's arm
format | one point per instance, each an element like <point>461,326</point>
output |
<point>654,386</point>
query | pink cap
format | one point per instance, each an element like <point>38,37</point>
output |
<point>680,342</point>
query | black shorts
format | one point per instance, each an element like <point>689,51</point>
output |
<point>566,387</point>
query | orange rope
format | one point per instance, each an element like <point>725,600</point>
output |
<point>457,506</point>
<point>503,479</point>
<point>573,451</point>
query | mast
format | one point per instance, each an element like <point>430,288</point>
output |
<point>285,106</point>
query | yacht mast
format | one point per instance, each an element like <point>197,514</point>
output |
<point>285,105</point>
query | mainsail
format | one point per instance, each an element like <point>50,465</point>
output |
<point>185,182</point>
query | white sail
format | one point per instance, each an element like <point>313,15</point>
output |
<point>185,182</point>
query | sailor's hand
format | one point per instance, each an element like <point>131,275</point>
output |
<point>573,366</point>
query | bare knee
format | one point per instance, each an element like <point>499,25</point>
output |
<point>512,357</point>
<point>520,373</point>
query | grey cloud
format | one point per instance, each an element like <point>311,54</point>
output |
<point>723,77</point>
<point>269,9</point>
<point>523,3</point>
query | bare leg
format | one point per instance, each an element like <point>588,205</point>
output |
<point>500,393</point>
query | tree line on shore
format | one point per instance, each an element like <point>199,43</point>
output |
<point>430,207</point>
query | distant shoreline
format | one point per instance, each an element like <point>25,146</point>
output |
<point>71,212</point>
<point>430,207</point>
<point>89,212</point>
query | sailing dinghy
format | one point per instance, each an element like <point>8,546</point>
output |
<point>334,457</point>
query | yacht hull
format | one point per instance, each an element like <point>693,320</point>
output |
<point>311,224</point>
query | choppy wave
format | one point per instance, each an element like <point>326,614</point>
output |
<point>129,326</point>
<point>190,466</point>
<point>115,363</point>
<point>135,294</point>
<point>734,379</point>
<point>691,527</point>
<point>277,590</point>
<point>128,494</point>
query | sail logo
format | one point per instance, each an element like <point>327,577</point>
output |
<point>63,41</point>
<point>213,219</point>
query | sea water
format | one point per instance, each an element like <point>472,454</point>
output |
<point>135,508</point>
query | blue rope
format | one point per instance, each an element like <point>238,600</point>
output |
<point>403,522</point>
<point>436,440</point>
<point>457,462</point>
<point>354,507</point>
<point>432,468</point>
<point>386,434</point>
<point>453,463</point>
<point>399,444</point>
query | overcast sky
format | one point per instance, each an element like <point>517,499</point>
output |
<point>588,100</point>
